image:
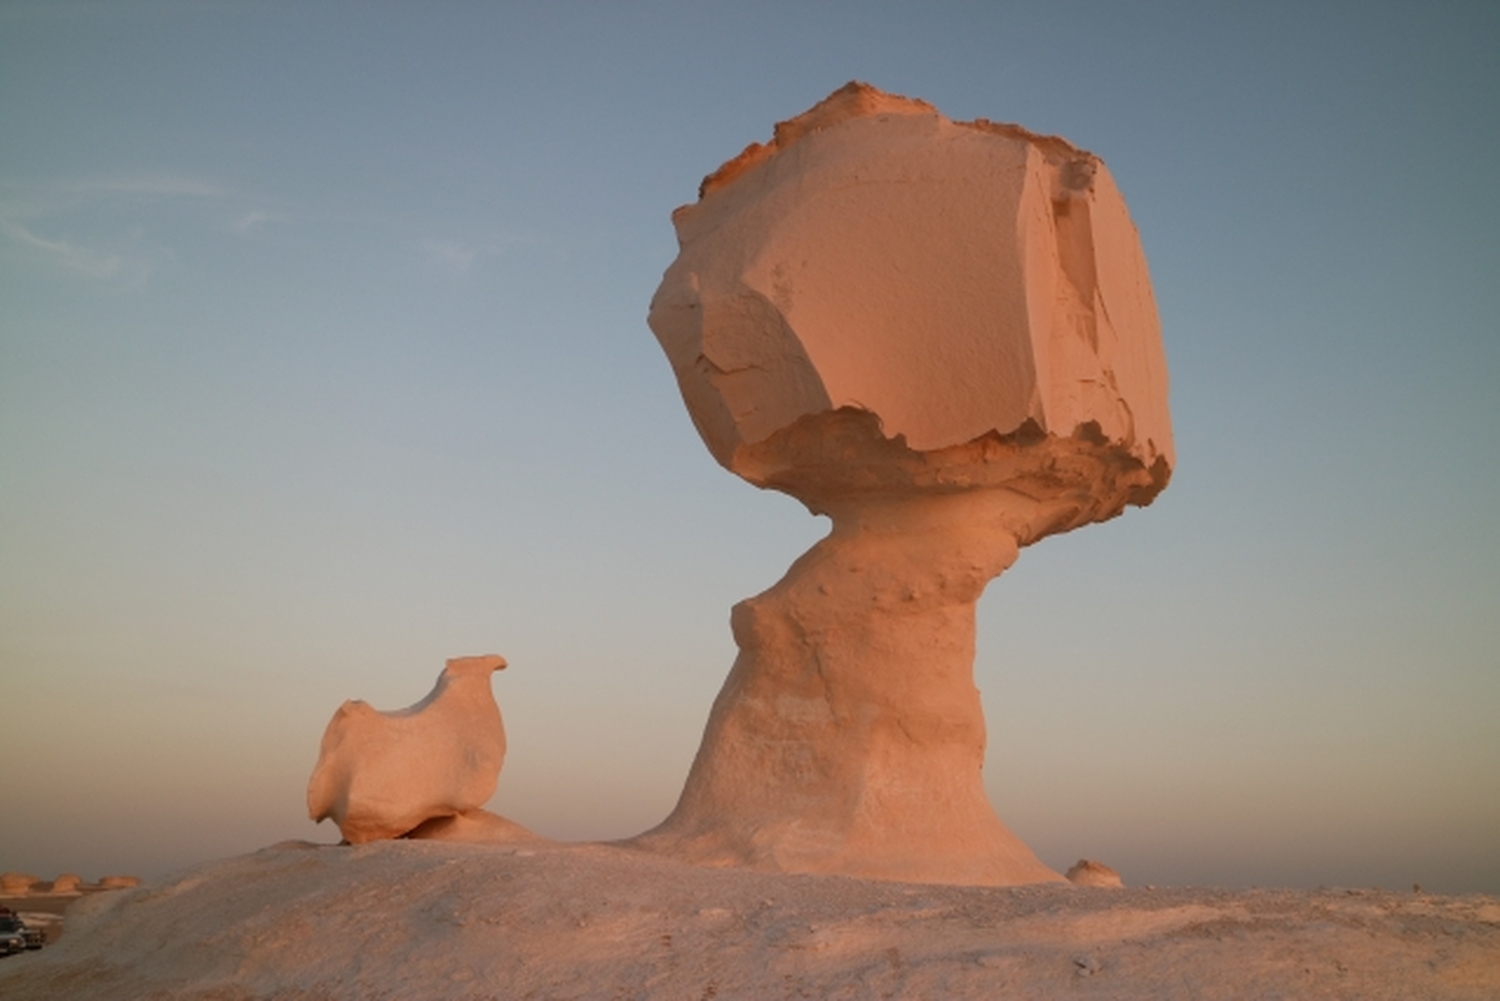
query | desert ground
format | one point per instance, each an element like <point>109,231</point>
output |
<point>430,920</point>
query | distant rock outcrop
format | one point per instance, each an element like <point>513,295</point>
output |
<point>941,335</point>
<point>1087,872</point>
<point>384,774</point>
<point>67,883</point>
<point>16,884</point>
<point>119,882</point>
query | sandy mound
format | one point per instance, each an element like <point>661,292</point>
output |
<point>432,921</point>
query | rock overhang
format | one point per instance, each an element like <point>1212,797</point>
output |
<point>963,283</point>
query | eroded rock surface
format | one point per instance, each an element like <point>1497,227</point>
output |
<point>413,921</point>
<point>942,335</point>
<point>1087,872</point>
<point>958,280</point>
<point>385,774</point>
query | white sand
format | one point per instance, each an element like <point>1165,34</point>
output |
<point>425,920</point>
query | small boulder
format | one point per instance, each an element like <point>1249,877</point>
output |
<point>1090,873</point>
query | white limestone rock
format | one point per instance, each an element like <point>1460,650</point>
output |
<point>67,883</point>
<point>1087,872</point>
<point>957,281</point>
<point>384,774</point>
<point>942,335</point>
<point>119,882</point>
<point>17,884</point>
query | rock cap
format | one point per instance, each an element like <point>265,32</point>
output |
<point>881,298</point>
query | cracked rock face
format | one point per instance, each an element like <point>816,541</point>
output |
<point>385,774</point>
<point>942,335</point>
<point>957,281</point>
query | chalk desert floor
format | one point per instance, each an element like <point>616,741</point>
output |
<point>425,920</point>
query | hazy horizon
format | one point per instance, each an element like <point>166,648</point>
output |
<point>323,358</point>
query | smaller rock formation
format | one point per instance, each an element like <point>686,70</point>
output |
<point>1087,872</point>
<point>386,774</point>
<point>119,882</point>
<point>67,883</point>
<point>16,884</point>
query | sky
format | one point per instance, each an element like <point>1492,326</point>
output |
<point>323,358</point>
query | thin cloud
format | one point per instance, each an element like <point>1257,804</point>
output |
<point>80,224</point>
<point>92,262</point>
<point>23,199</point>
<point>450,254</point>
<point>460,257</point>
<point>249,222</point>
<point>164,185</point>
<point>76,224</point>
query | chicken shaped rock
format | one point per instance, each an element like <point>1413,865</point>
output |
<point>385,774</point>
<point>942,335</point>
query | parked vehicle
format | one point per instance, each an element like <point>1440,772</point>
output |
<point>12,938</point>
<point>15,935</point>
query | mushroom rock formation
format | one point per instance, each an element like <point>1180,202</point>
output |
<point>17,884</point>
<point>119,882</point>
<point>67,883</point>
<point>385,774</point>
<point>942,335</point>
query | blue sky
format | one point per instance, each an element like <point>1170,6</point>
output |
<point>323,358</point>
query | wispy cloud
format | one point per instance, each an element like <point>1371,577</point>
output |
<point>460,256</point>
<point>103,265</point>
<point>29,200</point>
<point>250,222</point>
<point>162,185</point>
<point>450,254</point>
<point>123,229</point>
<point>97,227</point>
